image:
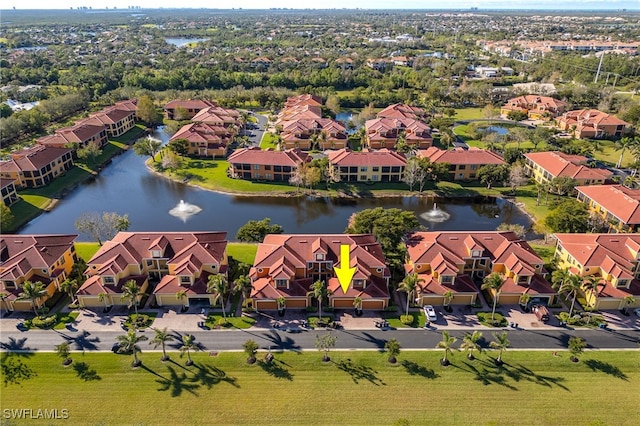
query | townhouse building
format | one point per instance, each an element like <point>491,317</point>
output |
<point>536,107</point>
<point>463,163</point>
<point>387,132</point>
<point>306,134</point>
<point>185,109</point>
<point>592,124</point>
<point>617,205</point>
<point>205,140</point>
<point>80,134</point>
<point>36,166</point>
<point>8,191</point>
<point>117,121</point>
<point>544,166</point>
<point>367,166</point>
<point>256,164</point>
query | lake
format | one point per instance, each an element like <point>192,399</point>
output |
<point>127,187</point>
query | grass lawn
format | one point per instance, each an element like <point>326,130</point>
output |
<point>544,251</point>
<point>243,252</point>
<point>531,388</point>
<point>608,153</point>
<point>242,322</point>
<point>86,250</point>
<point>468,114</point>
<point>268,141</point>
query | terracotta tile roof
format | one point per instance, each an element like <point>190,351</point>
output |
<point>472,155</point>
<point>202,132</point>
<point>305,99</point>
<point>5,182</point>
<point>170,284</point>
<point>593,116</point>
<point>402,111</point>
<point>560,164</point>
<point>602,249</point>
<point>34,158</point>
<point>382,157</point>
<point>20,254</point>
<point>386,124</point>
<point>254,155</point>
<point>311,124</point>
<point>81,132</point>
<point>544,103</point>
<point>93,286</point>
<point>110,115</point>
<point>431,286</point>
<point>128,104</point>
<point>218,115</point>
<point>622,202</point>
<point>537,286</point>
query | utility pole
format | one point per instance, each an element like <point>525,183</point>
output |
<point>599,66</point>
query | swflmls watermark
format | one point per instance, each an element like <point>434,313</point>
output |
<point>35,413</point>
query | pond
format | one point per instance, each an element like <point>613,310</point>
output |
<point>181,42</point>
<point>495,129</point>
<point>127,187</point>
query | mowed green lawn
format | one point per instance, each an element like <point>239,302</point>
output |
<point>355,388</point>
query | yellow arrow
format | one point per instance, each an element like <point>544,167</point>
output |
<point>344,272</point>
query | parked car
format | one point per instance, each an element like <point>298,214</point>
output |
<point>430,313</point>
<point>637,312</point>
<point>542,313</point>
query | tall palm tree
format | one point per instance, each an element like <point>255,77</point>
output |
<point>628,300</point>
<point>470,343</point>
<point>282,303</point>
<point>188,344</point>
<point>558,277</point>
<point>501,343</point>
<point>593,284</point>
<point>448,297</point>
<point>33,292</point>
<point>70,287</point>
<point>182,296</point>
<point>129,343</point>
<point>447,344</point>
<point>572,286</point>
<point>131,292</point>
<point>218,286</point>
<point>493,282</point>
<point>242,285</point>
<point>409,285</point>
<point>103,297</point>
<point>357,303</point>
<point>319,291</point>
<point>160,339</point>
<point>622,145</point>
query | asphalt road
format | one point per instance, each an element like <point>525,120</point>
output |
<point>45,340</point>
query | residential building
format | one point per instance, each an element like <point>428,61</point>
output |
<point>80,134</point>
<point>613,258</point>
<point>301,100</point>
<point>463,163</point>
<point>457,262</point>
<point>128,105</point>
<point>165,264</point>
<point>256,164</point>
<point>44,258</point>
<point>617,205</point>
<point>287,265</point>
<point>368,166</point>
<point>218,116</point>
<point>8,190</point>
<point>205,140</point>
<point>261,61</point>
<point>116,121</point>
<point>591,123</point>
<point>386,132</point>
<point>379,64</point>
<point>536,107</point>
<point>544,166</point>
<point>185,110</point>
<point>36,166</point>
<point>324,133</point>
<point>401,111</point>
<point>298,112</point>
<point>404,61</point>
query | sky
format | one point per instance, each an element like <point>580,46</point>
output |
<point>333,4</point>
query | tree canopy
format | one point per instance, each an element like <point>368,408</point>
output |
<point>569,216</point>
<point>254,231</point>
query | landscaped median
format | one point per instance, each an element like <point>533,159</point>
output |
<point>532,387</point>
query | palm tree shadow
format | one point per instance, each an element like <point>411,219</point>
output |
<point>276,369</point>
<point>180,365</point>
<point>17,347</point>
<point>606,368</point>
<point>359,372</point>
<point>13,370</point>
<point>417,370</point>
<point>177,384</point>
<point>286,343</point>
<point>487,377</point>
<point>209,376</point>
<point>379,343</point>
<point>85,373</point>
<point>148,370</point>
<point>82,341</point>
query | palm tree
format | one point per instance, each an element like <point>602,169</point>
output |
<point>219,286</point>
<point>630,181</point>
<point>103,297</point>
<point>448,297</point>
<point>622,145</point>
<point>242,285</point>
<point>131,292</point>
<point>592,283</point>
<point>493,282</point>
<point>3,299</point>
<point>393,349</point>
<point>357,303</point>
<point>558,277</point>
<point>576,347</point>
<point>524,300</point>
<point>129,343</point>
<point>250,348</point>
<point>63,351</point>
<point>32,292</point>
<point>160,339</point>
<point>70,287</point>
<point>470,343</point>
<point>628,300</point>
<point>319,291</point>
<point>409,285</point>
<point>447,344</point>
<point>188,344</point>
<point>282,303</point>
<point>501,343</point>
<point>182,296</point>
<point>572,286</point>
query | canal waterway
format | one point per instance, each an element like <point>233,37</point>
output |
<point>126,186</point>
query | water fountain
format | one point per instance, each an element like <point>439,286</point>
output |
<point>184,210</point>
<point>435,215</point>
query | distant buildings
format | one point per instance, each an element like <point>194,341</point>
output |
<point>591,123</point>
<point>536,107</point>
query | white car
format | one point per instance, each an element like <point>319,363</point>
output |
<point>637,312</point>
<point>430,312</point>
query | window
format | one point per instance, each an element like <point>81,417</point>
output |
<point>474,167</point>
<point>156,253</point>
<point>447,278</point>
<point>462,167</point>
<point>108,280</point>
<point>282,283</point>
<point>319,256</point>
<point>149,262</point>
<point>475,253</point>
<point>523,279</point>
<point>482,262</point>
<point>9,284</point>
<point>363,168</point>
<point>267,167</point>
<point>374,177</point>
<point>358,283</point>
<point>256,167</point>
<point>185,280</point>
<point>376,168</point>
<point>622,283</point>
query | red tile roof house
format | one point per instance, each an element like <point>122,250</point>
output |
<point>82,134</point>
<point>287,265</point>
<point>536,107</point>
<point>205,140</point>
<point>256,164</point>
<point>45,258</point>
<point>618,205</point>
<point>544,166</point>
<point>218,116</point>
<point>463,163</point>
<point>402,111</point>
<point>306,99</point>
<point>298,112</point>
<point>591,123</point>
<point>8,190</point>
<point>128,105</point>
<point>368,166</point>
<point>458,261</point>
<point>189,108</point>
<point>300,133</point>
<point>116,120</point>
<point>177,261</point>
<point>36,166</point>
<point>384,133</point>
<point>612,257</point>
